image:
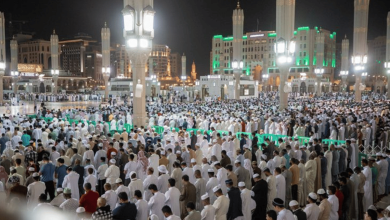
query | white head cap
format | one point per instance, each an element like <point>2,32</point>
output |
<point>119,180</point>
<point>113,161</point>
<point>241,184</point>
<point>293,203</point>
<point>193,160</point>
<point>216,188</point>
<point>162,169</point>
<point>80,210</point>
<point>256,175</point>
<point>35,174</point>
<point>313,195</point>
<point>31,169</point>
<point>205,196</point>
<point>321,192</point>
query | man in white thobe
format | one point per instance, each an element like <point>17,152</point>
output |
<point>213,182</point>
<point>200,186</point>
<point>312,210</point>
<point>112,173</point>
<point>71,181</point>
<point>153,162</point>
<point>246,200</point>
<point>221,205</point>
<point>156,202</point>
<point>150,179</point>
<point>280,181</point>
<point>368,200</point>
<point>208,211</point>
<point>34,190</point>
<point>142,206</point>
<point>135,184</point>
<point>171,197</point>
<point>162,180</point>
<point>221,176</point>
<point>383,164</point>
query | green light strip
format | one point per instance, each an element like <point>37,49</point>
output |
<point>271,34</point>
<point>303,28</point>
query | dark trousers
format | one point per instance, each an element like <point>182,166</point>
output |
<point>360,205</point>
<point>323,181</point>
<point>81,190</point>
<point>127,182</point>
<point>49,189</point>
<point>294,192</point>
<point>100,187</point>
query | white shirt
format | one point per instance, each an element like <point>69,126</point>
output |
<point>130,166</point>
<point>280,181</point>
<point>285,215</point>
<point>153,162</point>
<point>155,204</point>
<point>123,188</point>
<point>112,173</point>
<point>162,183</point>
<point>135,184</point>
<point>92,180</point>
<point>246,203</point>
<point>172,200</point>
<point>334,202</point>
<point>312,211</point>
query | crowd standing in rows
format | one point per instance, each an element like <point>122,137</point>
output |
<point>94,170</point>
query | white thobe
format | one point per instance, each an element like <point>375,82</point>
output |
<point>246,203</point>
<point>150,179</point>
<point>222,177</point>
<point>271,191</point>
<point>92,180</point>
<point>135,184</point>
<point>71,181</point>
<point>190,173</point>
<point>367,201</point>
<point>328,178</point>
<point>334,207</point>
<point>142,209</point>
<point>112,173</point>
<point>280,181</point>
<point>312,211</point>
<point>155,205</point>
<point>208,213</point>
<point>213,182</point>
<point>221,206</point>
<point>153,162</point>
<point>162,183</point>
<point>200,186</point>
<point>171,200</point>
<point>123,188</point>
<point>383,164</point>
<point>34,190</point>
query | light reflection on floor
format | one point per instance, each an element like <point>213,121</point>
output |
<point>29,106</point>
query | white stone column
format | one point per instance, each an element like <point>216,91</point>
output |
<point>138,59</point>
<point>106,78</point>
<point>283,96</point>
<point>388,54</point>
<point>318,92</point>
<point>1,87</point>
<point>237,86</point>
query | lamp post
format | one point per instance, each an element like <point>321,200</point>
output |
<point>387,68</point>
<point>359,62</point>
<point>15,79</point>
<point>265,78</point>
<point>237,70</point>
<point>319,73</point>
<point>138,31</point>
<point>284,52</point>
<point>344,75</point>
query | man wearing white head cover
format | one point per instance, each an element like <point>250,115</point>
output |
<point>135,184</point>
<point>153,162</point>
<point>246,200</point>
<point>34,190</point>
<point>162,180</point>
<point>150,179</point>
<point>383,164</point>
<point>204,168</point>
<point>221,205</point>
<point>121,188</point>
<point>59,199</point>
<point>312,210</point>
<point>280,181</point>
<point>112,173</point>
<point>213,182</point>
<point>216,150</point>
<point>200,185</point>
<point>88,154</point>
<point>221,176</point>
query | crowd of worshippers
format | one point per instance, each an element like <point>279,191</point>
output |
<point>103,177</point>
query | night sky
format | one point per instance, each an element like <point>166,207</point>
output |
<point>187,26</point>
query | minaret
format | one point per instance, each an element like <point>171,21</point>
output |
<point>285,21</point>
<point>193,71</point>
<point>344,62</point>
<point>183,66</point>
<point>106,69</point>
<point>238,31</point>
<point>360,39</point>
<point>169,68</point>
<point>388,54</point>
<point>320,44</point>
<point>2,54</point>
<point>54,60</point>
<point>14,54</point>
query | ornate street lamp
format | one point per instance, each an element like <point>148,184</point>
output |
<point>319,73</point>
<point>284,52</point>
<point>359,62</point>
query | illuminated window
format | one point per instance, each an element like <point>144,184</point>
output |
<point>246,91</point>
